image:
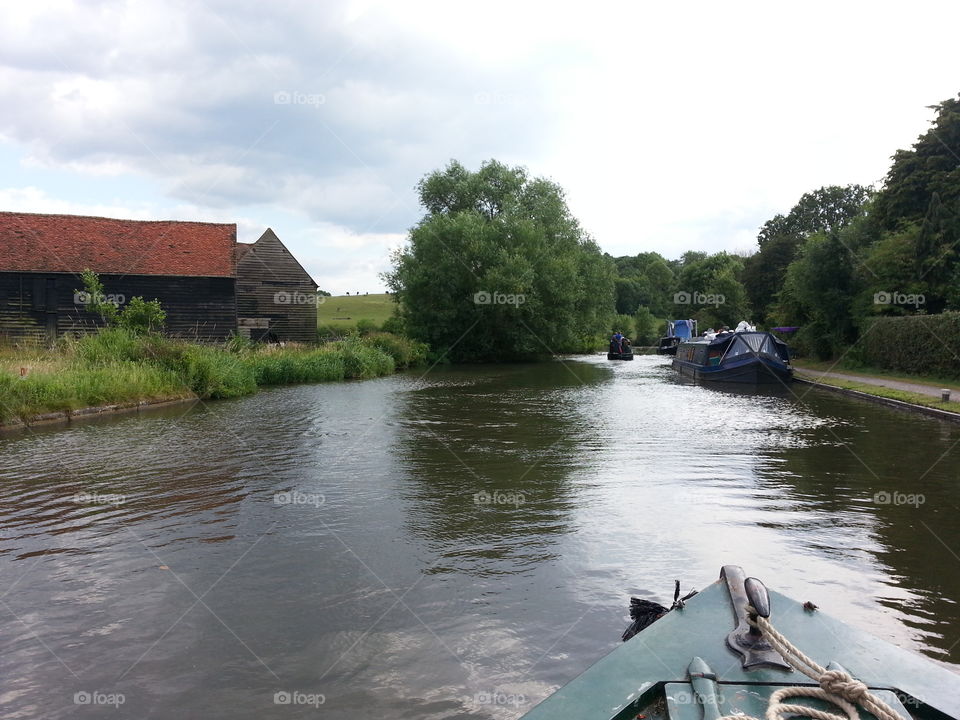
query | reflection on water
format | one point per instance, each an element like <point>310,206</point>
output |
<point>450,546</point>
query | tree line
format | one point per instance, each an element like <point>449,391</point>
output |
<point>499,269</point>
<point>841,256</point>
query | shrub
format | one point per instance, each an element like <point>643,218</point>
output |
<point>394,325</point>
<point>140,316</point>
<point>916,344</point>
<point>405,353</point>
<point>366,326</point>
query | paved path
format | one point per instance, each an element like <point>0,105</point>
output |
<point>932,390</point>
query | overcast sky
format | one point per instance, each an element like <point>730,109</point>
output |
<point>676,127</point>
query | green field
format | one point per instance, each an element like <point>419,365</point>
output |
<point>343,311</point>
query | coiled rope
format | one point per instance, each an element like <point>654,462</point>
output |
<point>836,687</point>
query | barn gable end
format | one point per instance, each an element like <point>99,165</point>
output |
<point>276,297</point>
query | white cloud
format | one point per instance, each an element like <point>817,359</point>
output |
<point>671,127</point>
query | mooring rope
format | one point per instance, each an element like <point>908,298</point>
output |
<point>836,687</point>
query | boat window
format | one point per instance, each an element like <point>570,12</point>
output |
<point>752,344</point>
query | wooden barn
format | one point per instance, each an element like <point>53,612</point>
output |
<point>276,297</point>
<point>187,266</point>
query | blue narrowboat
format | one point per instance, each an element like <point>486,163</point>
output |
<point>735,357</point>
<point>677,332</point>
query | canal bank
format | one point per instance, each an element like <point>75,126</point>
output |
<point>117,371</point>
<point>904,393</point>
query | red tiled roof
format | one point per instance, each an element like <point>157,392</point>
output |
<point>71,243</point>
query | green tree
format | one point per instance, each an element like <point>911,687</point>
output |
<point>645,280</point>
<point>930,166</point>
<point>818,294</point>
<point>710,283</point>
<point>95,298</point>
<point>646,327</point>
<point>140,316</point>
<point>499,269</point>
<point>829,209</point>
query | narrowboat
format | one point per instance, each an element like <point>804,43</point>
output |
<point>677,332</point>
<point>737,649</point>
<point>735,357</point>
<point>621,351</point>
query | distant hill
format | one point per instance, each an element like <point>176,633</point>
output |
<point>343,311</point>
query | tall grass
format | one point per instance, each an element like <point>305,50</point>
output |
<point>116,366</point>
<point>72,387</point>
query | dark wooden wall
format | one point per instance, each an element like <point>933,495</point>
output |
<point>44,305</point>
<point>276,297</point>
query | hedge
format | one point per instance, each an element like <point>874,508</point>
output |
<point>916,344</point>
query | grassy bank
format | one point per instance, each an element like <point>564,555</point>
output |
<point>343,312</point>
<point>116,366</point>
<point>879,373</point>
<point>879,390</point>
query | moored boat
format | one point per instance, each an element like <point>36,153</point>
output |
<point>677,332</point>
<point>736,649</point>
<point>735,357</point>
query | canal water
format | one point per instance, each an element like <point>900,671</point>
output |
<point>455,544</point>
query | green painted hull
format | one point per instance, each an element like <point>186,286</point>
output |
<point>648,675</point>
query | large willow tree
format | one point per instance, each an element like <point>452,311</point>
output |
<point>498,268</point>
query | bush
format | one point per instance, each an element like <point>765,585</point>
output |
<point>915,344</point>
<point>394,325</point>
<point>365,326</point>
<point>405,353</point>
<point>140,316</point>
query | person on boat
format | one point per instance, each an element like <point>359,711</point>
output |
<point>618,341</point>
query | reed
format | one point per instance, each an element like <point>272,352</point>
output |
<point>117,366</point>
